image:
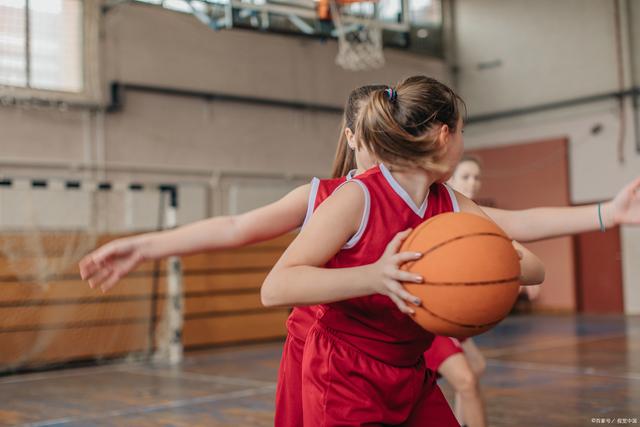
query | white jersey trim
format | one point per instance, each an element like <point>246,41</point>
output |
<point>313,192</point>
<point>351,174</point>
<point>454,199</point>
<point>420,211</point>
<point>365,215</point>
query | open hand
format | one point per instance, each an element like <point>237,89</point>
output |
<point>110,262</point>
<point>389,275</point>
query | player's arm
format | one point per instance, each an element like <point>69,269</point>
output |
<point>299,278</point>
<point>107,264</point>
<point>531,268</point>
<point>542,223</point>
<point>529,225</point>
<point>232,231</point>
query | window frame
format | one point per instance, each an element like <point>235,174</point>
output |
<point>90,95</point>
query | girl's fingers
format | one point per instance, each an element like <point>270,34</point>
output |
<point>94,263</point>
<point>114,249</point>
<point>402,257</point>
<point>121,268</point>
<point>87,267</point>
<point>397,240</point>
<point>397,289</point>
<point>99,277</point>
<point>405,276</point>
<point>111,280</point>
<point>401,304</point>
<point>128,264</point>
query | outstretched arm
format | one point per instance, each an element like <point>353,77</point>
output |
<point>542,223</point>
<point>109,263</point>
<point>532,270</point>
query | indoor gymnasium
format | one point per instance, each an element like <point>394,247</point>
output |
<point>205,209</point>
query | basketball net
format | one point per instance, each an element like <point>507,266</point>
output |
<point>359,44</point>
<point>37,254</point>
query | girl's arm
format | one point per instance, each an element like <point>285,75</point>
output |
<point>531,268</point>
<point>299,279</point>
<point>107,264</point>
<point>542,223</point>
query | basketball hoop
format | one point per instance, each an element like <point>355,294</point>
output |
<point>359,39</point>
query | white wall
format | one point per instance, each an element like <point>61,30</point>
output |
<point>552,51</point>
<point>549,51</point>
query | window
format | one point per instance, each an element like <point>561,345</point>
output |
<point>41,44</point>
<point>425,12</point>
<point>419,28</point>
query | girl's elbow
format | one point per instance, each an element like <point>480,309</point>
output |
<point>266,298</point>
<point>268,294</point>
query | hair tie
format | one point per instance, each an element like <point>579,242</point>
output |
<point>391,93</point>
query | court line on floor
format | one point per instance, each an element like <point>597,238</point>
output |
<point>144,370</point>
<point>551,344</point>
<point>73,372</point>
<point>154,408</point>
<point>562,369</point>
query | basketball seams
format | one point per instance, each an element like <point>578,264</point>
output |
<point>414,234</point>
<point>410,264</point>
<point>480,283</point>
<point>446,242</point>
<point>474,227</point>
<point>463,325</point>
<point>433,219</point>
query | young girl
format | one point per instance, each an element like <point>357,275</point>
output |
<point>362,362</point>
<point>460,361</point>
<point>106,265</point>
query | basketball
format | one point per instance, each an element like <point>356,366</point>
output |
<point>470,270</point>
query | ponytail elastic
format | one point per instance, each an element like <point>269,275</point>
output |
<point>391,93</point>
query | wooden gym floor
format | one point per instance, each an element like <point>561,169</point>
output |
<point>542,371</point>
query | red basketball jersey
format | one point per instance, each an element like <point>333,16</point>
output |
<point>301,318</point>
<point>373,323</point>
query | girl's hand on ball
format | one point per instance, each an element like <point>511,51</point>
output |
<point>519,252</point>
<point>532,270</point>
<point>516,246</point>
<point>388,274</point>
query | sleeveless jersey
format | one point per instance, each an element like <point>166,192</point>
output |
<point>373,323</point>
<point>301,318</point>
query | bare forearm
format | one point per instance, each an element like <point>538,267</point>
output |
<point>542,223</point>
<point>305,285</point>
<point>205,235</point>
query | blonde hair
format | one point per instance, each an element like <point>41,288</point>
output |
<point>345,159</point>
<point>397,124</point>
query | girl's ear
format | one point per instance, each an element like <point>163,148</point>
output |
<point>444,133</point>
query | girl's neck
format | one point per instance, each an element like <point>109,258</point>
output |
<point>416,182</point>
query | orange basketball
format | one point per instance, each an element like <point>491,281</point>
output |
<point>471,274</point>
